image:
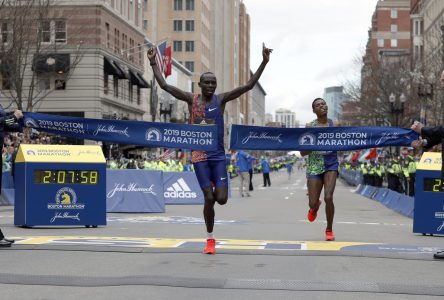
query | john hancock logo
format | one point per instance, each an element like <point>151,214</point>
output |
<point>29,122</point>
<point>66,198</point>
<point>30,152</point>
<point>307,139</point>
<point>153,134</point>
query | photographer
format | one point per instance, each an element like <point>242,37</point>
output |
<point>8,122</point>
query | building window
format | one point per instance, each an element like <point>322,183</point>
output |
<point>417,27</point>
<point>393,28</point>
<point>393,13</point>
<point>116,41</point>
<point>53,31</point>
<point>6,32</point>
<point>177,46</point>
<point>60,31</point>
<point>124,43</point>
<point>131,50</point>
<point>138,95</point>
<point>108,37</point>
<point>139,47</point>
<point>105,83</point>
<point>380,43</point>
<point>177,25</point>
<point>116,86</point>
<point>189,46</point>
<point>60,84</point>
<point>177,4</point>
<point>189,25</point>
<point>145,24</point>
<point>189,4</point>
<point>394,43</point>
<point>130,91</point>
<point>46,31</point>
<point>189,65</point>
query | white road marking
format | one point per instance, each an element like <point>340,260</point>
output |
<point>358,223</point>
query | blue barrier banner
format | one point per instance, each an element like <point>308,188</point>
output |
<point>181,188</point>
<point>318,139</point>
<point>134,191</point>
<point>399,203</point>
<point>166,135</point>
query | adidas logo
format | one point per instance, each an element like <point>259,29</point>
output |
<point>179,189</point>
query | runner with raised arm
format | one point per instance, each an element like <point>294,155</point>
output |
<point>208,108</point>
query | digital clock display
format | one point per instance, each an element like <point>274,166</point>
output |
<point>66,176</point>
<point>434,185</point>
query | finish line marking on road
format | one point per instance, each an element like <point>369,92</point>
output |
<point>183,243</point>
<point>198,244</point>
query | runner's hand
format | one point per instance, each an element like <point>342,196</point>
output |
<point>266,53</point>
<point>151,54</point>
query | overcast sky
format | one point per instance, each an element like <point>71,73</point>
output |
<point>315,44</point>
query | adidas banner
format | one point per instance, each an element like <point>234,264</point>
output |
<point>181,188</point>
<point>318,139</point>
<point>166,135</point>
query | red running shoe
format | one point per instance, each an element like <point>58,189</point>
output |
<point>313,213</point>
<point>329,235</point>
<point>210,247</point>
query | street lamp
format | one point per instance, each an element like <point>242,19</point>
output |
<point>396,108</point>
<point>167,110</point>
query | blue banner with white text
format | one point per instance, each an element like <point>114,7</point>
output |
<point>318,139</point>
<point>134,191</point>
<point>151,134</point>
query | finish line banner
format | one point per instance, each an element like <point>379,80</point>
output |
<point>167,135</point>
<point>318,139</point>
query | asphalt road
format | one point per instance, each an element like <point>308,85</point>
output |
<point>266,250</point>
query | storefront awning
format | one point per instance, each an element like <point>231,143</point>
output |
<point>137,79</point>
<point>144,83</point>
<point>113,68</point>
<point>109,67</point>
<point>123,74</point>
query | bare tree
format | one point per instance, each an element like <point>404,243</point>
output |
<point>387,76</point>
<point>35,48</point>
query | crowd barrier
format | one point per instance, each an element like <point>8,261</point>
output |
<point>135,190</point>
<point>400,203</point>
<point>352,177</point>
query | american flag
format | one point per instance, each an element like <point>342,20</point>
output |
<point>160,53</point>
<point>168,154</point>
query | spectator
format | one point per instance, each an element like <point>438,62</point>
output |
<point>266,171</point>
<point>242,166</point>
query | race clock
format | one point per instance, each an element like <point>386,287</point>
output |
<point>428,215</point>
<point>60,185</point>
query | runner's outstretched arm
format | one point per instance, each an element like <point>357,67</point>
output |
<point>174,91</point>
<point>237,92</point>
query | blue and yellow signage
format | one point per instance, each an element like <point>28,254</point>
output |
<point>428,215</point>
<point>60,185</point>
